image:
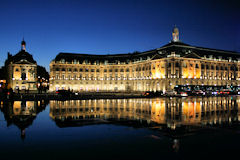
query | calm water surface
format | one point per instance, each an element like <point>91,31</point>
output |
<point>159,128</point>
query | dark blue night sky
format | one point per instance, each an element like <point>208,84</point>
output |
<point>114,26</point>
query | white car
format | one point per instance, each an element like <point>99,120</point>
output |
<point>170,93</point>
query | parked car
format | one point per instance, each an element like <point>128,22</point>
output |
<point>183,94</point>
<point>170,93</point>
<point>64,93</point>
<point>225,91</point>
<point>152,94</point>
<point>198,92</point>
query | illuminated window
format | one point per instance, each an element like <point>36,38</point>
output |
<point>184,64</point>
<point>121,76</point>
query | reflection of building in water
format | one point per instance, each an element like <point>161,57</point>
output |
<point>22,113</point>
<point>122,109</point>
<point>172,112</point>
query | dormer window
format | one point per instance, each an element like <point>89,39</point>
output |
<point>62,60</point>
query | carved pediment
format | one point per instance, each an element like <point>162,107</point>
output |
<point>23,61</point>
<point>192,55</point>
<point>156,56</point>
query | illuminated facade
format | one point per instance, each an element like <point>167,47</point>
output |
<point>164,111</point>
<point>21,70</point>
<point>160,69</point>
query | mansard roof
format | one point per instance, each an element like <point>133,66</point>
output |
<point>183,50</point>
<point>178,47</point>
<point>22,57</point>
<point>111,58</point>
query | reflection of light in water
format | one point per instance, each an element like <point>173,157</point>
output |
<point>176,145</point>
<point>175,111</point>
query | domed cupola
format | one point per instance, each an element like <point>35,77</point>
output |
<point>23,45</point>
<point>175,34</point>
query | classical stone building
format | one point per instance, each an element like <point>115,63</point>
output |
<point>175,63</point>
<point>21,70</point>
